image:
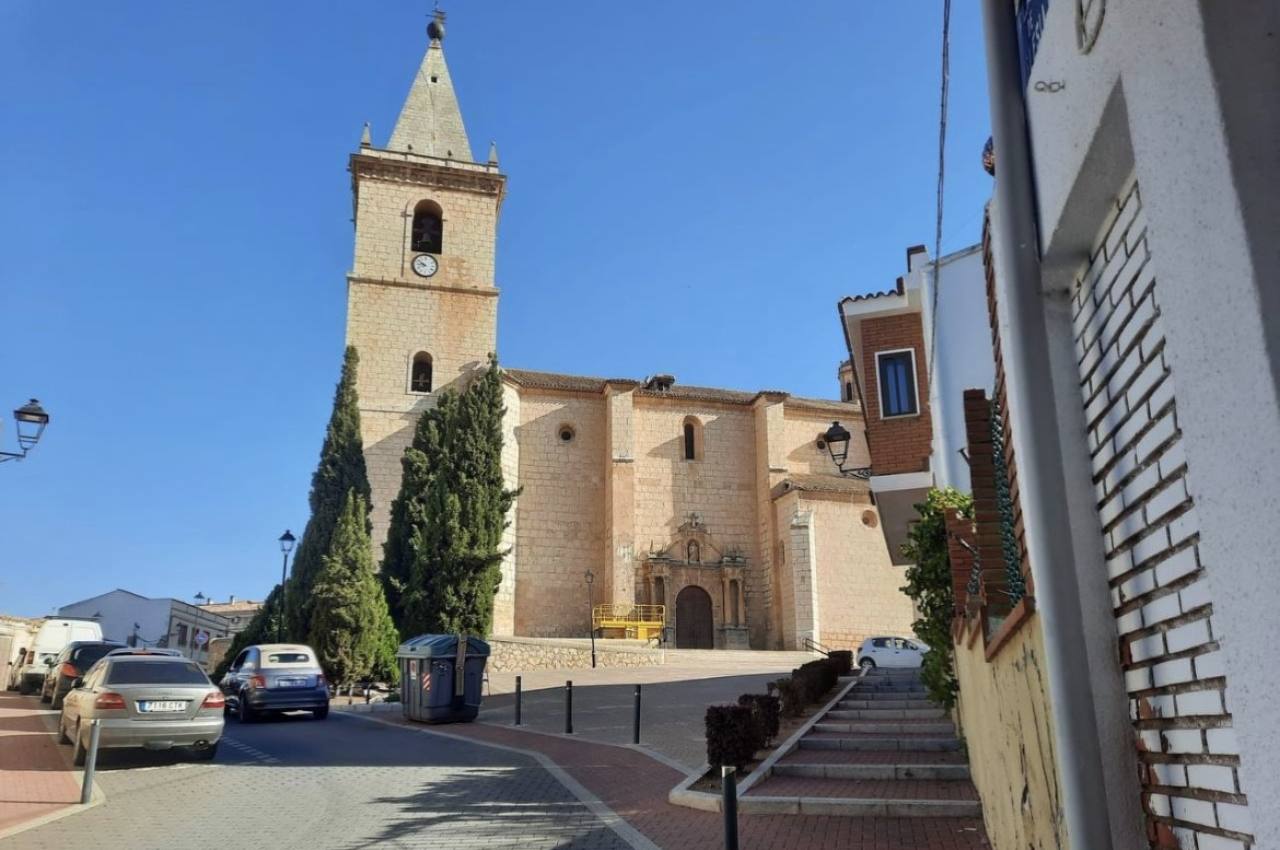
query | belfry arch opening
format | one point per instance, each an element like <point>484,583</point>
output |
<point>428,228</point>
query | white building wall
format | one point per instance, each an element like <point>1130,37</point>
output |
<point>1138,101</point>
<point>961,342</point>
<point>119,610</point>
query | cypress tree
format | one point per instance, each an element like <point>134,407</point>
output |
<point>340,471</point>
<point>446,539</point>
<point>351,629</point>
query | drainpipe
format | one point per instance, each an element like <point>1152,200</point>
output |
<point>1044,495</point>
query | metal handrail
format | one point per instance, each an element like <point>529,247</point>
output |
<point>625,612</point>
<point>813,646</point>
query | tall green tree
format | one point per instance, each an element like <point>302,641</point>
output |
<point>351,628</point>
<point>445,546</point>
<point>341,470</point>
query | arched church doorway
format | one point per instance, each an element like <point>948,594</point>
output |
<point>695,627</point>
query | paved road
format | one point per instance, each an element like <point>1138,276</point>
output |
<point>344,782</point>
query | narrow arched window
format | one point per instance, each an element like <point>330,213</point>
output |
<point>692,439</point>
<point>848,391</point>
<point>694,552</point>
<point>428,228</point>
<point>420,379</point>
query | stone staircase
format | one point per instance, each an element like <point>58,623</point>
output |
<point>883,750</point>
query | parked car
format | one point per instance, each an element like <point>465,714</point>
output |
<point>891,652</point>
<point>70,664</point>
<point>275,677</point>
<point>52,637</point>
<point>156,702</point>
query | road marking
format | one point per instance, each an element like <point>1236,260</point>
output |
<point>252,752</point>
<point>594,804</point>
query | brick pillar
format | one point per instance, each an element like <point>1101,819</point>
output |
<point>986,512</point>
<point>959,528</point>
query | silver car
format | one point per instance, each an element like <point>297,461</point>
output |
<point>156,702</point>
<point>275,677</point>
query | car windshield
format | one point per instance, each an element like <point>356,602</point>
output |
<point>288,658</point>
<point>87,655</point>
<point>156,673</point>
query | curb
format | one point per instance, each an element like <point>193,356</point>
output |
<point>683,795</point>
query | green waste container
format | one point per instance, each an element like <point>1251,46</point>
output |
<point>441,677</point>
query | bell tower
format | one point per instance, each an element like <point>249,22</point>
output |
<point>421,298</point>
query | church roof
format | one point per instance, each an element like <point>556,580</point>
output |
<point>532,379</point>
<point>430,121</point>
<point>807,483</point>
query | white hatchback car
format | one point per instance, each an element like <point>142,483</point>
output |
<point>891,652</point>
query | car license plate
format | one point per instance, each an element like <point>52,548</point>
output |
<point>293,683</point>
<point>158,706</point>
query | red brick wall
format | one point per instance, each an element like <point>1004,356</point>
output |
<point>986,512</point>
<point>902,444</point>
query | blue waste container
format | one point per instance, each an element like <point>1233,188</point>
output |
<point>441,677</point>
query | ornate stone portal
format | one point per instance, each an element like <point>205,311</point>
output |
<point>694,559</point>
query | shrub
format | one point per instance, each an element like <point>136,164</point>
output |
<point>816,677</point>
<point>843,659</point>
<point>733,735</point>
<point>766,709</point>
<point>791,695</point>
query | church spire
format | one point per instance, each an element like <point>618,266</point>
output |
<point>430,122</point>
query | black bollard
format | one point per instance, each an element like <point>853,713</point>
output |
<point>568,707</point>
<point>635,719</point>
<point>517,700</point>
<point>730,807</point>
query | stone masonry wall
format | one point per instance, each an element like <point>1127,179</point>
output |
<point>1169,636</point>
<point>512,655</point>
<point>393,314</point>
<point>719,486</point>
<point>857,585</point>
<point>560,516</point>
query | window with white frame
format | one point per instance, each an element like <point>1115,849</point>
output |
<point>896,372</point>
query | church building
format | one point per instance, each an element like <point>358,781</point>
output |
<point>722,506</point>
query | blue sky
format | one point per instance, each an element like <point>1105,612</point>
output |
<point>692,188</point>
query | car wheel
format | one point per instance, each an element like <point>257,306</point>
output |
<point>79,754</point>
<point>24,688</point>
<point>867,665</point>
<point>62,733</point>
<point>206,753</point>
<point>243,711</point>
<point>58,700</point>
<point>321,713</point>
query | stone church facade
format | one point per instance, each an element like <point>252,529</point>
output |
<point>722,505</point>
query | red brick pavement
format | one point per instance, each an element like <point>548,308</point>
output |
<point>36,776</point>
<point>635,787</point>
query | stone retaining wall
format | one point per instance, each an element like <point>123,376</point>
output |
<point>517,655</point>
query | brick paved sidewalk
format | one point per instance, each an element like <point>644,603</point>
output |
<point>36,777</point>
<point>635,787</point>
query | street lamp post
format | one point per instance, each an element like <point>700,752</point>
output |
<point>591,609</point>
<point>837,439</point>
<point>286,546</point>
<point>31,421</point>
<point>200,600</point>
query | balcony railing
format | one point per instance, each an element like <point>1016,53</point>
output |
<point>1031,18</point>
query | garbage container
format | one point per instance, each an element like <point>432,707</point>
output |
<point>432,689</point>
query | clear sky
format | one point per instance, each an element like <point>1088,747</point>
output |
<point>692,188</point>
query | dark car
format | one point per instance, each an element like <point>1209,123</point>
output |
<point>70,664</point>
<point>275,677</point>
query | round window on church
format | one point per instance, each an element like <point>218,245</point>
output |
<point>566,433</point>
<point>869,519</point>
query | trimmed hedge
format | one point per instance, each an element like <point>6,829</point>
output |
<point>733,735</point>
<point>816,677</point>
<point>792,696</point>
<point>766,709</point>
<point>843,659</point>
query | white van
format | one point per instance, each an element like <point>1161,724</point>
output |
<point>51,638</point>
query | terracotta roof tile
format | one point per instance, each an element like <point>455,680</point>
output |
<point>822,484</point>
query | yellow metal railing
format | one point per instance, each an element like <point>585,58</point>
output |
<point>633,621</point>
